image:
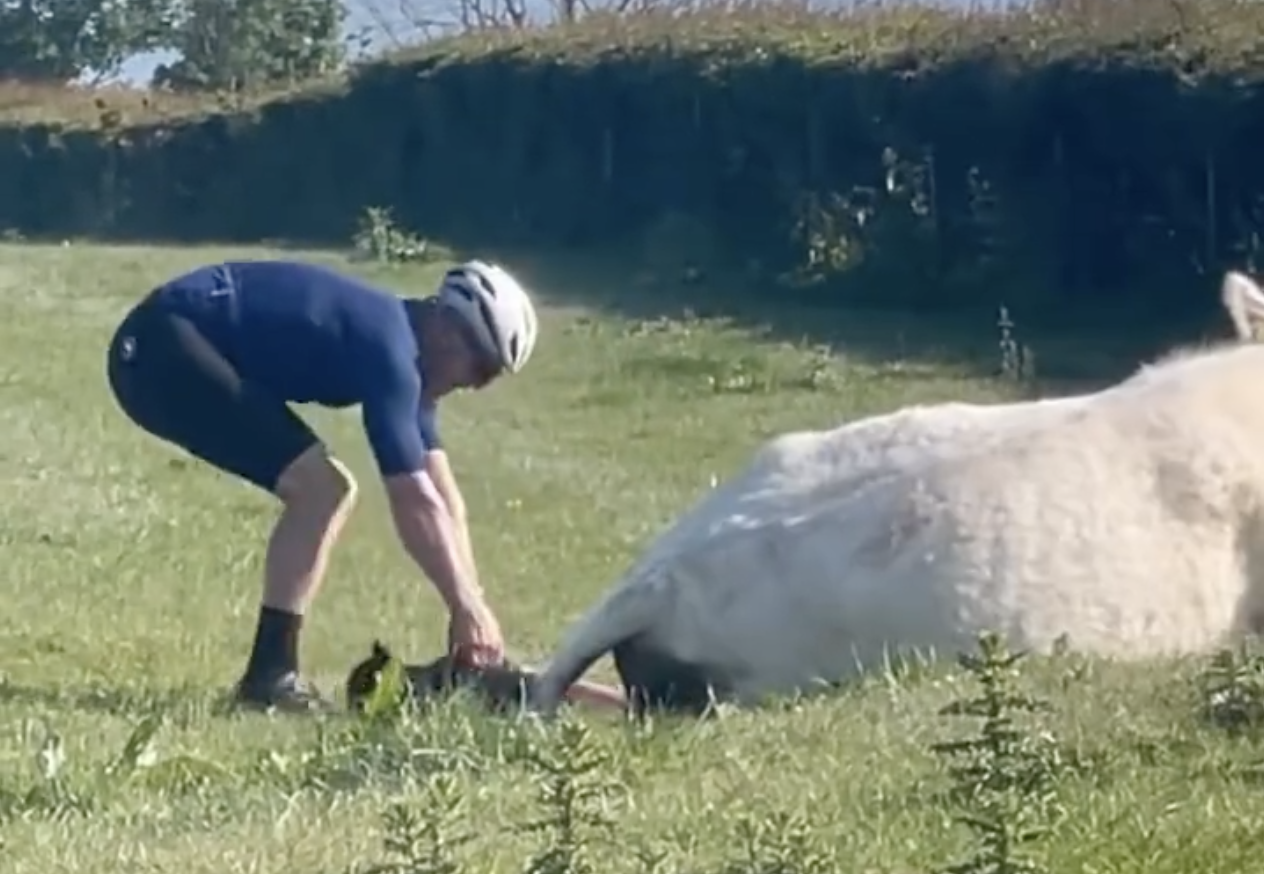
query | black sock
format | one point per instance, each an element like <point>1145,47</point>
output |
<point>275,650</point>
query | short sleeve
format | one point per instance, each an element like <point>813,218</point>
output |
<point>428,426</point>
<point>390,414</point>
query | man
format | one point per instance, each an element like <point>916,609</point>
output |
<point>209,362</point>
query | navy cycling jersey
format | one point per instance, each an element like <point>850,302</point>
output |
<point>308,334</point>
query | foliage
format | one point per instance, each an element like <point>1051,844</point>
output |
<point>238,45</point>
<point>573,783</point>
<point>379,238</point>
<point>1004,776</point>
<point>781,842</point>
<point>1232,689</point>
<point>224,45</point>
<point>425,837</point>
<point>59,40</point>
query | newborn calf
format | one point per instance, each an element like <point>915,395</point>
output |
<point>502,688</point>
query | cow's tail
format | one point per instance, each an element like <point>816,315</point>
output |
<point>623,614</point>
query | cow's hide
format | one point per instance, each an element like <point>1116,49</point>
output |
<point>1125,522</point>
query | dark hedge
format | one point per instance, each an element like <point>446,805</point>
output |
<point>1098,148</point>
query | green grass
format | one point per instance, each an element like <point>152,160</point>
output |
<point>130,580</point>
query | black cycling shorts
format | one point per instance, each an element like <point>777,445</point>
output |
<point>170,380</point>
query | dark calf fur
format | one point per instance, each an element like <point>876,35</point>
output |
<point>501,688</point>
<point>652,681</point>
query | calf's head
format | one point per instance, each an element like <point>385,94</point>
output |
<point>501,687</point>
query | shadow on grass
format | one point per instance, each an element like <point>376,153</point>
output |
<point>1073,351</point>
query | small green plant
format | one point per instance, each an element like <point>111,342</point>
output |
<point>1002,777</point>
<point>51,793</point>
<point>59,790</point>
<point>379,238</point>
<point>572,776</point>
<point>391,741</point>
<point>821,373</point>
<point>1017,360</point>
<point>390,700</point>
<point>826,230</point>
<point>781,843</point>
<point>649,859</point>
<point>748,375</point>
<point>1232,688</point>
<point>425,837</point>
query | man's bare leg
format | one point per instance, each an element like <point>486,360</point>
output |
<point>317,493</point>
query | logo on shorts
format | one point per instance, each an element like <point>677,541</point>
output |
<point>127,348</point>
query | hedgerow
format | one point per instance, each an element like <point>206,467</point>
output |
<point>1068,149</point>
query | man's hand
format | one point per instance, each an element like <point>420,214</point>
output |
<point>474,637</point>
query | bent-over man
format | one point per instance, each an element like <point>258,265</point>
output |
<point>210,362</point>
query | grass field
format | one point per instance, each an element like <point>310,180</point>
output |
<point>130,581</point>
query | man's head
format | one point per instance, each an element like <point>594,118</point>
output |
<point>479,325</point>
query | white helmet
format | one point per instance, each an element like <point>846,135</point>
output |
<point>496,307</point>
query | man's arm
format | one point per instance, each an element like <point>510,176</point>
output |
<point>432,537</point>
<point>440,472</point>
<point>422,517</point>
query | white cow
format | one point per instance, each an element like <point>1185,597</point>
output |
<point>1130,521</point>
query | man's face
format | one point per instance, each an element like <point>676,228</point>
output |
<point>473,366</point>
<point>455,360</point>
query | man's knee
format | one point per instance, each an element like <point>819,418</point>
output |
<point>318,481</point>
